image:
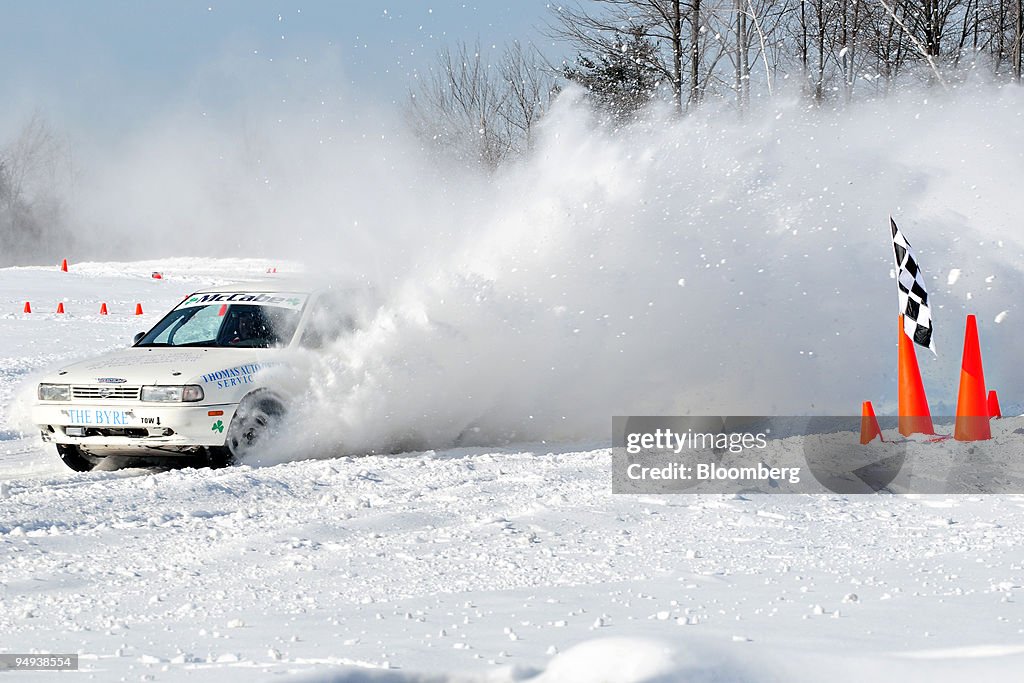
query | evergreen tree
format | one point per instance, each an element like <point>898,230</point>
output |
<point>622,80</point>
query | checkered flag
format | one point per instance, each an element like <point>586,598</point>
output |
<point>917,315</point>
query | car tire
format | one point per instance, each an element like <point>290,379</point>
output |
<point>75,458</point>
<point>218,457</point>
<point>256,419</point>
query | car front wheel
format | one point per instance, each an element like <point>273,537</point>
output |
<point>254,423</point>
<point>76,459</point>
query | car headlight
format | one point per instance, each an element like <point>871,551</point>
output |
<point>172,394</point>
<point>191,393</point>
<point>54,392</point>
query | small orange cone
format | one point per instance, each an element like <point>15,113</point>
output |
<point>138,309</point>
<point>993,405</point>
<point>972,403</point>
<point>60,307</point>
<point>28,307</point>
<point>103,308</point>
<point>869,427</point>
<point>64,265</point>
<point>915,418</point>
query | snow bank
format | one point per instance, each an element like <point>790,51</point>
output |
<point>646,660</point>
<point>601,660</point>
<point>637,660</point>
<point>377,676</point>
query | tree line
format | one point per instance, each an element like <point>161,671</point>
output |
<point>483,106</point>
<point>627,54</point>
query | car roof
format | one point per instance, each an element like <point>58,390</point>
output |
<point>290,285</point>
<point>265,285</point>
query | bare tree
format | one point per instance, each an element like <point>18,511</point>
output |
<point>530,85</point>
<point>741,61</point>
<point>852,15</point>
<point>884,44</point>
<point>33,151</point>
<point>824,13</point>
<point>482,111</point>
<point>33,184</point>
<point>696,92</point>
<point>1018,36</point>
<point>925,30</point>
<point>457,106</point>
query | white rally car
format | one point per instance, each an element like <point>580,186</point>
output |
<point>210,381</point>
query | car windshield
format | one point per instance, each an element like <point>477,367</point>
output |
<point>222,323</point>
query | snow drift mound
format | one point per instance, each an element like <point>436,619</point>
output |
<point>638,660</point>
<point>602,660</point>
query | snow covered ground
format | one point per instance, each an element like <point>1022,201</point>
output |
<point>499,564</point>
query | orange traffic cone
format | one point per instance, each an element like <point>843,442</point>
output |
<point>60,307</point>
<point>28,307</point>
<point>869,427</point>
<point>64,265</point>
<point>972,404</point>
<point>138,309</point>
<point>915,418</point>
<point>993,405</point>
<point>103,308</point>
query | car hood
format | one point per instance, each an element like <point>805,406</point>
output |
<point>159,365</point>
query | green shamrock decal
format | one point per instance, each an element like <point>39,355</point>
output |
<point>218,426</point>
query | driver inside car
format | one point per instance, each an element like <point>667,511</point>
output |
<point>250,329</point>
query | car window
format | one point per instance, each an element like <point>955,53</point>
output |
<point>328,321</point>
<point>225,325</point>
<point>200,327</point>
<point>257,326</point>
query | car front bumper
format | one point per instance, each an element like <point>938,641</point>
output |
<point>121,426</point>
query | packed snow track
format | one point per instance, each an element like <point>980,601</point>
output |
<point>500,564</point>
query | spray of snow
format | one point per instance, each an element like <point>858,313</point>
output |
<point>537,302</point>
<point>562,305</point>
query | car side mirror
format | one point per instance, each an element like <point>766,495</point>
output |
<point>138,338</point>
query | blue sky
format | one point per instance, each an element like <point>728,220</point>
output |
<point>105,64</point>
